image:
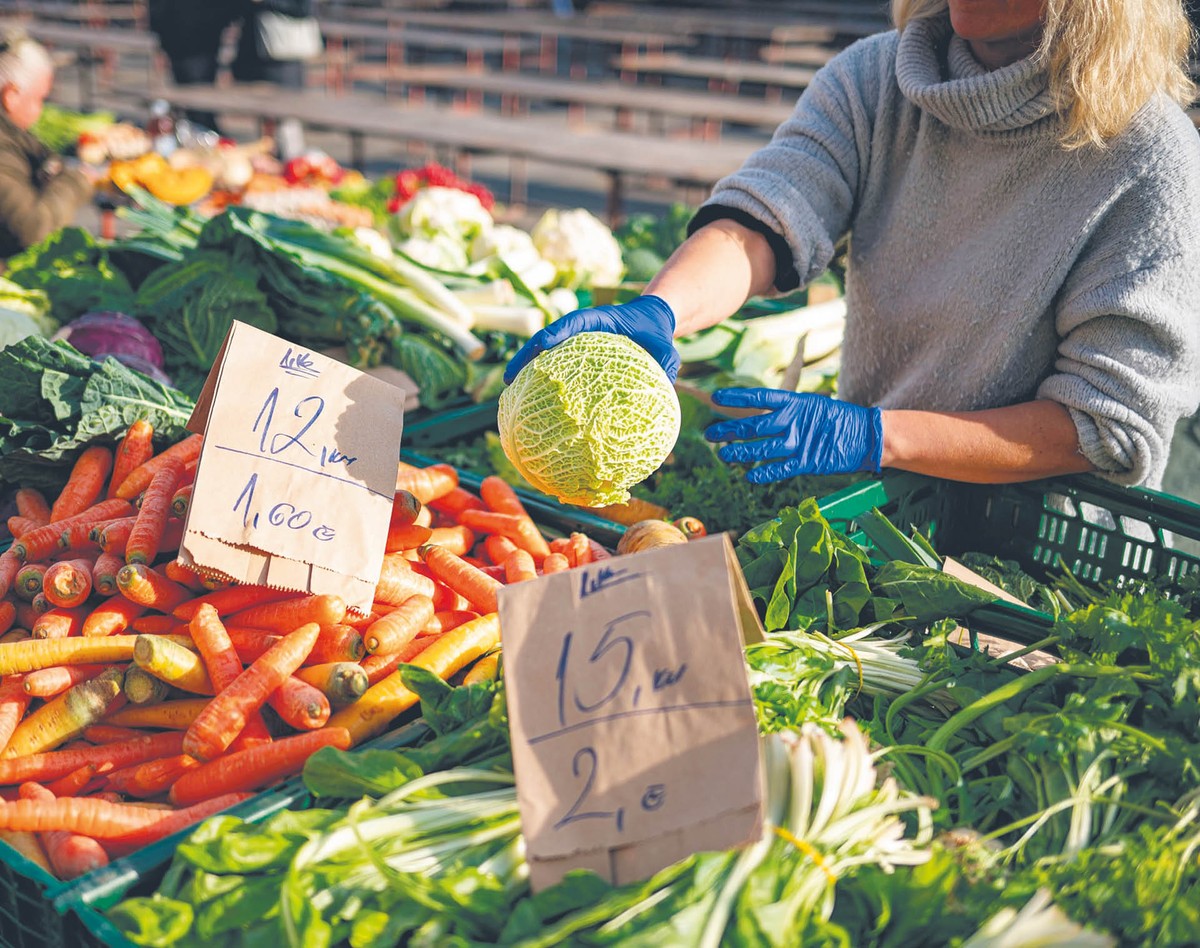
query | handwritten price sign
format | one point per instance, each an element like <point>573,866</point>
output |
<point>295,481</point>
<point>633,729</point>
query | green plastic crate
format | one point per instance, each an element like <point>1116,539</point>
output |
<point>1100,531</point>
<point>450,425</point>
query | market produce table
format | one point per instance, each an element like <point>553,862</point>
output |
<point>704,110</point>
<point>617,155</point>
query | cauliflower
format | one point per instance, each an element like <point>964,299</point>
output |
<point>447,212</point>
<point>516,249</point>
<point>581,247</point>
<point>374,241</point>
<point>439,251</point>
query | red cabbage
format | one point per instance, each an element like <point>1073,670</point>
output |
<point>109,333</point>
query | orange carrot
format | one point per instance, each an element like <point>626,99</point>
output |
<point>250,644</point>
<point>104,573</point>
<point>457,539</point>
<point>400,626</point>
<point>361,622</point>
<point>102,820</point>
<point>135,449</point>
<point>458,500</point>
<point>223,663</point>
<point>561,545</point>
<point>70,784</point>
<point>471,583</point>
<point>498,548</point>
<point>29,846</point>
<point>580,550</point>
<point>54,764</point>
<point>152,777</point>
<point>142,584</point>
<point>29,579</point>
<point>446,599</point>
<point>85,483</point>
<point>301,705</point>
<point>397,582</point>
<point>13,702</point>
<point>405,508</point>
<point>79,535</point>
<point>406,537</point>
<point>151,523</point>
<point>519,567</point>
<point>290,614</point>
<point>8,615</point>
<point>233,599</point>
<point>184,575</point>
<point>9,564</point>
<point>139,478</point>
<point>521,530</point>
<point>40,543</point>
<point>255,768</point>
<point>446,620</point>
<point>111,617</point>
<point>424,518</point>
<point>113,534</point>
<point>378,667</point>
<point>175,715</point>
<point>342,683</point>
<point>59,623</point>
<point>48,682</point>
<point>597,551</point>
<point>180,500</point>
<point>337,643</point>
<point>31,505</point>
<point>218,724</point>
<point>68,583</point>
<point>18,526</point>
<point>110,734</point>
<point>499,495</point>
<point>157,625</point>
<point>427,484</point>
<point>555,563</point>
<point>70,854</point>
<point>40,605</point>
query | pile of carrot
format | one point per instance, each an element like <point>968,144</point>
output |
<point>138,695</point>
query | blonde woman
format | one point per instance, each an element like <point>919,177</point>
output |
<point>1021,192</point>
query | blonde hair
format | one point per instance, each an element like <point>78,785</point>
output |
<point>22,60</point>
<point>1106,59</point>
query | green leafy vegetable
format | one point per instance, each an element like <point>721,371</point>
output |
<point>74,272</point>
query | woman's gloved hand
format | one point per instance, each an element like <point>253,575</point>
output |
<point>647,320</point>
<point>802,433</point>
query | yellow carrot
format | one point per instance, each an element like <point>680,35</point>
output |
<point>66,716</point>
<point>175,715</point>
<point>19,657</point>
<point>141,687</point>
<point>172,663</point>
<point>486,669</point>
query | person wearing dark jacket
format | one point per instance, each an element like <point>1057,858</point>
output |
<point>38,194</point>
<point>253,63</point>
<point>189,32</point>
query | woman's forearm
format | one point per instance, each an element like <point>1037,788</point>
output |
<point>712,273</point>
<point>999,445</point>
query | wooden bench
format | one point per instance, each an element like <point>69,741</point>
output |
<point>92,14</point>
<point>721,75</point>
<point>704,111</point>
<point>614,154</point>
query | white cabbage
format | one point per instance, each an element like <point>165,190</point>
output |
<point>581,247</point>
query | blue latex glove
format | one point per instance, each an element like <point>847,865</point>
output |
<point>802,433</point>
<point>647,320</point>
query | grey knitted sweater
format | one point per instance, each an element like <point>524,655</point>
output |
<point>987,265</point>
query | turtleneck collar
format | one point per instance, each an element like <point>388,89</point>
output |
<point>937,72</point>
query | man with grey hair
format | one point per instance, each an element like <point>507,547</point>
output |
<point>38,194</point>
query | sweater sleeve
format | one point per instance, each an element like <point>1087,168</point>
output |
<point>1128,362</point>
<point>801,187</point>
<point>29,212</point>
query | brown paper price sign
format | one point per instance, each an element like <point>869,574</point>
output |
<point>296,476</point>
<point>633,728</point>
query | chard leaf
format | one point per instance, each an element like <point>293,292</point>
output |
<point>928,593</point>
<point>254,900</point>
<point>155,922</point>
<point>334,773</point>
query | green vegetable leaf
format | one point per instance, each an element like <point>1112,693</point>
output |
<point>928,593</point>
<point>334,773</point>
<point>156,922</point>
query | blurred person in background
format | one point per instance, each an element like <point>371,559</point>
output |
<point>38,193</point>
<point>189,32</point>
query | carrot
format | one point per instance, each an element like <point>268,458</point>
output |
<point>29,846</point>
<point>521,530</point>
<point>233,599</point>
<point>65,717</point>
<point>378,667</point>
<point>111,617</point>
<point>446,599</point>
<point>32,654</point>
<point>498,548</point>
<point>555,563</point>
<point>70,784</point>
<point>29,579</point>
<point>112,535</point>
<point>102,820</point>
<point>337,643</point>
<point>141,688</point>
<point>151,523</point>
<point>300,705</point>
<point>175,715</point>
<point>151,778</point>
<point>59,623</point>
<point>499,496</point>
<point>14,700</point>
<point>157,624</point>
<point>174,664</point>
<point>140,583</point>
<point>400,626</point>
<point>427,484</point>
<point>68,583</point>
<point>598,552</point>
<point>176,572</point>
<point>55,764</point>
<point>405,508</point>
<point>457,539</point>
<point>70,854</point>
<point>373,712</point>
<point>342,683</point>
<point>18,526</point>
<point>455,502</point>
<point>104,573</point>
<point>79,535</point>
<point>85,483</point>
<point>40,543</point>
<point>255,768</point>
<point>26,614</point>
<point>218,724</point>
<point>8,615</point>
<point>519,567</point>
<point>360,622</point>
<point>48,682</point>
<point>579,550</point>
<point>468,581</point>
<point>223,662</point>
<point>406,537</point>
<point>139,478</point>
<point>135,449</point>
<point>31,504</point>
<point>250,644</point>
<point>485,669</point>
<point>180,500</point>
<point>397,582</point>
<point>9,565</point>
<point>40,605</point>
<point>446,620</point>
<point>109,734</point>
<point>290,614</point>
